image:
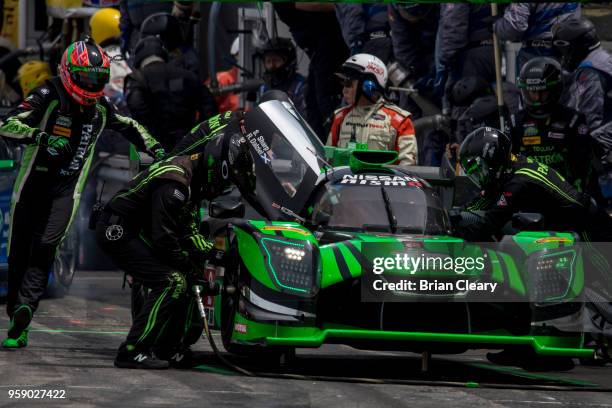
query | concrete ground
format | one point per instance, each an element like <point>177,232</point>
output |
<point>73,342</point>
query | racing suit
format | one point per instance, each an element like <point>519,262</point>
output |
<point>365,28</point>
<point>464,43</point>
<point>168,100</point>
<point>383,126</point>
<point>559,140</point>
<point>146,230</point>
<point>531,23</point>
<point>48,188</point>
<point>294,87</point>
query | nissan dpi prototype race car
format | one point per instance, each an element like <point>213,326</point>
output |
<point>302,276</point>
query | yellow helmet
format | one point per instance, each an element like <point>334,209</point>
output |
<point>104,25</point>
<point>33,74</point>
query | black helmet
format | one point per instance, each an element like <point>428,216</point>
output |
<point>574,39</point>
<point>541,85</point>
<point>468,89</point>
<point>484,155</point>
<point>148,47</point>
<point>165,26</point>
<point>285,48</point>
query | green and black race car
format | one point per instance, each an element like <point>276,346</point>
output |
<point>302,277</point>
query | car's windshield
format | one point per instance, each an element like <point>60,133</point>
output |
<point>361,207</point>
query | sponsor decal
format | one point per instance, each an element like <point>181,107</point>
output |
<point>180,196</point>
<point>556,135</point>
<point>378,116</point>
<point>530,129</point>
<point>114,232</point>
<point>583,129</point>
<point>532,140</point>
<point>240,328</point>
<point>44,91</point>
<point>547,240</point>
<point>381,180</point>
<point>63,121</point>
<point>284,228</point>
<point>502,201</point>
<point>61,131</point>
<point>375,68</point>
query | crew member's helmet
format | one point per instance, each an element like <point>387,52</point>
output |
<point>33,74</point>
<point>369,70</point>
<point>484,155</point>
<point>574,39</point>
<point>285,48</point>
<point>104,26</point>
<point>165,26</point>
<point>541,85</point>
<point>148,48</point>
<point>84,70</point>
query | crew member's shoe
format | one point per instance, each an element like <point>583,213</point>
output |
<point>19,342</point>
<point>138,359</point>
<point>183,357</point>
<point>17,336</point>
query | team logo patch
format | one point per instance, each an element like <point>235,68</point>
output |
<point>44,91</point>
<point>583,129</point>
<point>556,135</point>
<point>378,116</point>
<point>63,121</point>
<point>532,140</point>
<point>61,131</point>
<point>114,232</point>
<point>179,195</point>
<point>502,201</point>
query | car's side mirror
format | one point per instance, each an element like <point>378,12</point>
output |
<point>226,209</point>
<point>527,221</point>
<point>7,165</point>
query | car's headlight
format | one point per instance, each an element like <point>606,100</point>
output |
<point>293,264</point>
<point>552,275</point>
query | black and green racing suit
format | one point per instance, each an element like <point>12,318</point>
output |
<point>150,231</point>
<point>48,186</point>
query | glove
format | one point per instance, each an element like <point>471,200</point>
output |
<point>57,146</point>
<point>424,83</point>
<point>198,247</point>
<point>439,84</point>
<point>159,153</point>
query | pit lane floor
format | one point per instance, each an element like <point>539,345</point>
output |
<point>73,341</point>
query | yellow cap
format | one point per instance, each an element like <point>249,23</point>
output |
<point>104,25</point>
<point>33,74</point>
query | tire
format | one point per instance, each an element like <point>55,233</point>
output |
<point>64,267</point>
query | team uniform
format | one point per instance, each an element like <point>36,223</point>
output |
<point>382,126</point>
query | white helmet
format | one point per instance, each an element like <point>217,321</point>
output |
<point>366,66</point>
<point>235,49</point>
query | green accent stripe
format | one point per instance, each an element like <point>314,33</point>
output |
<point>200,141</point>
<point>149,141</point>
<point>153,315</point>
<point>153,174</point>
<point>535,175</point>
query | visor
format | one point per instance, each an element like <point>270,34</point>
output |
<point>91,80</point>
<point>476,169</point>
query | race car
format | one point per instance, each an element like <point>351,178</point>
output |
<point>64,267</point>
<point>303,275</point>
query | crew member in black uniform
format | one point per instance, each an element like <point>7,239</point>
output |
<point>150,230</point>
<point>60,123</point>
<point>546,130</point>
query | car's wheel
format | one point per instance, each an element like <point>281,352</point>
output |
<point>64,267</point>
